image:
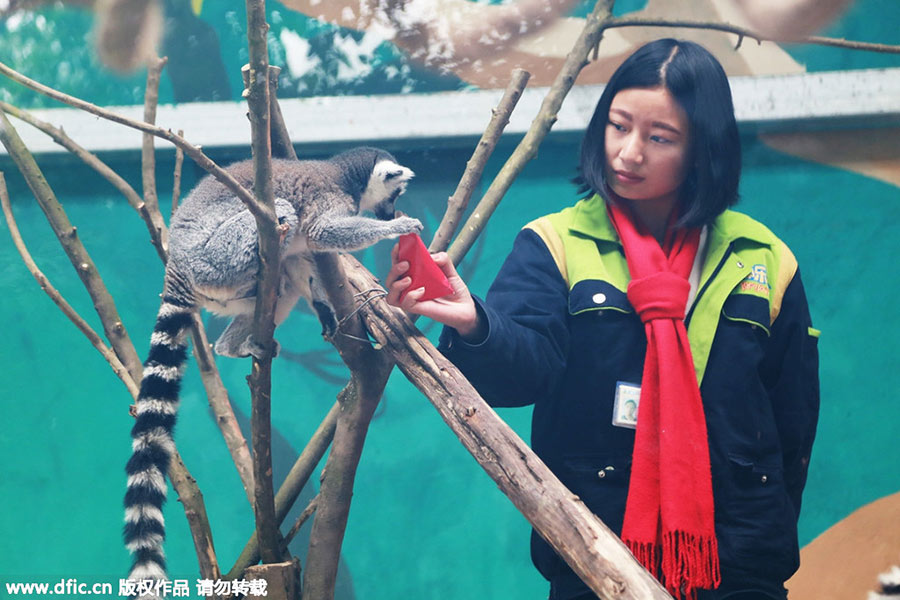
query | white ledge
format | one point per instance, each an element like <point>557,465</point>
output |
<point>820,100</point>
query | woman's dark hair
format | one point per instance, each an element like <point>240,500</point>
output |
<point>698,83</point>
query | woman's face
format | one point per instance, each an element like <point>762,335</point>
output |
<point>647,142</point>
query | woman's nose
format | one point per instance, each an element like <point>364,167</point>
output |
<point>632,150</point>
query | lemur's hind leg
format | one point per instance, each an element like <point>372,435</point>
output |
<point>237,340</point>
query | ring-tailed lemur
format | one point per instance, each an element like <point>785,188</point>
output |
<point>213,264</point>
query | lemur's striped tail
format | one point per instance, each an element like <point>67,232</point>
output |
<point>152,442</point>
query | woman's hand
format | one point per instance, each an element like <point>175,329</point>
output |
<point>456,310</point>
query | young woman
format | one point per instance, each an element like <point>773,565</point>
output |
<point>651,292</point>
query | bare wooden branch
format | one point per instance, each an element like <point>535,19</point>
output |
<point>601,560</point>
<point>221,407</point>
<point>256,208</point>
<point>282,147</point>
<point>257,94</point>
<point>60,137</point>
<point>78,255</point>
<point>743,32</point>
<point>57,298</point>
<point>459,201</point>
<point>195,510</point>
<point>176,176</point>
<point>599,18</point>
<point>148,153</point>
<point>292,486</point>
<point>369,373</point>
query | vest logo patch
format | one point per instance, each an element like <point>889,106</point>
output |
<point>757,282</point>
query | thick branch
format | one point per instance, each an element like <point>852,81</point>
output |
<point>540,127</point>
<point>369,373</point>
<point>589,547</point>
<point>75,250</point>
<point>459,201</point>
<point>260,380</point>
<point>82,325</point>
<point>257,209</point>
<point>743,32</point>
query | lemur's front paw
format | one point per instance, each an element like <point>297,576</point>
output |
<point>402,225</point>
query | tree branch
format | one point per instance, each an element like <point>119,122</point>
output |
<point>218,396</point>
<point>257,209</point>
<point>60,137</point>
<point>176,176</point>
<point>75,250</point>
<point>148,156</point>
<point>369,373</point>
<point>57,298</point>
<point>459,201</point>
<point>257,94</point>
<point>527,149</point>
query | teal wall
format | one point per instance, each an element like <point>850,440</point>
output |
<point>426,521</point>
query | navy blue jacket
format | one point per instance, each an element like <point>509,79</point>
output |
<point>561,334</point>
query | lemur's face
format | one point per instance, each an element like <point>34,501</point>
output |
<point>387,181</point>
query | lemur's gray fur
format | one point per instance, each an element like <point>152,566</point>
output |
<point>213,264</point>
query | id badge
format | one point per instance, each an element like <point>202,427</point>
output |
<point>625,407</point>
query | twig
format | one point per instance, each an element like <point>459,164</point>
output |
<point>60,137</point>
<point>75,250</point>
<point>304,516</point>
<point>292,486</point>
<point>176,176</point>
<point>260,379</point>
<point>540,127</point>
<point>57,298</point>
<point>459,201</point>
<point>257,209</point>
<point>148,154</point>
<point>743,32</point>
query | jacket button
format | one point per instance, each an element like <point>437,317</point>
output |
<point>602,474</point>
<point>764,478</point>
<point>599,298</point>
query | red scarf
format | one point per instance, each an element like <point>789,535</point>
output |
<point>669,524</point>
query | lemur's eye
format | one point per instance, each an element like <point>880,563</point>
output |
<point>392,174</point>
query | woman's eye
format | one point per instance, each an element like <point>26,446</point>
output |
<point>617,126</point>
<point>660,140</point>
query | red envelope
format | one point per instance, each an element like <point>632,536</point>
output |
<point>422,268</point>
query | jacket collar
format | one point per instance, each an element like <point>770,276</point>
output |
<point>592,220</point>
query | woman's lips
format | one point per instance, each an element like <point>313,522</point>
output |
<point>627,177</point>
